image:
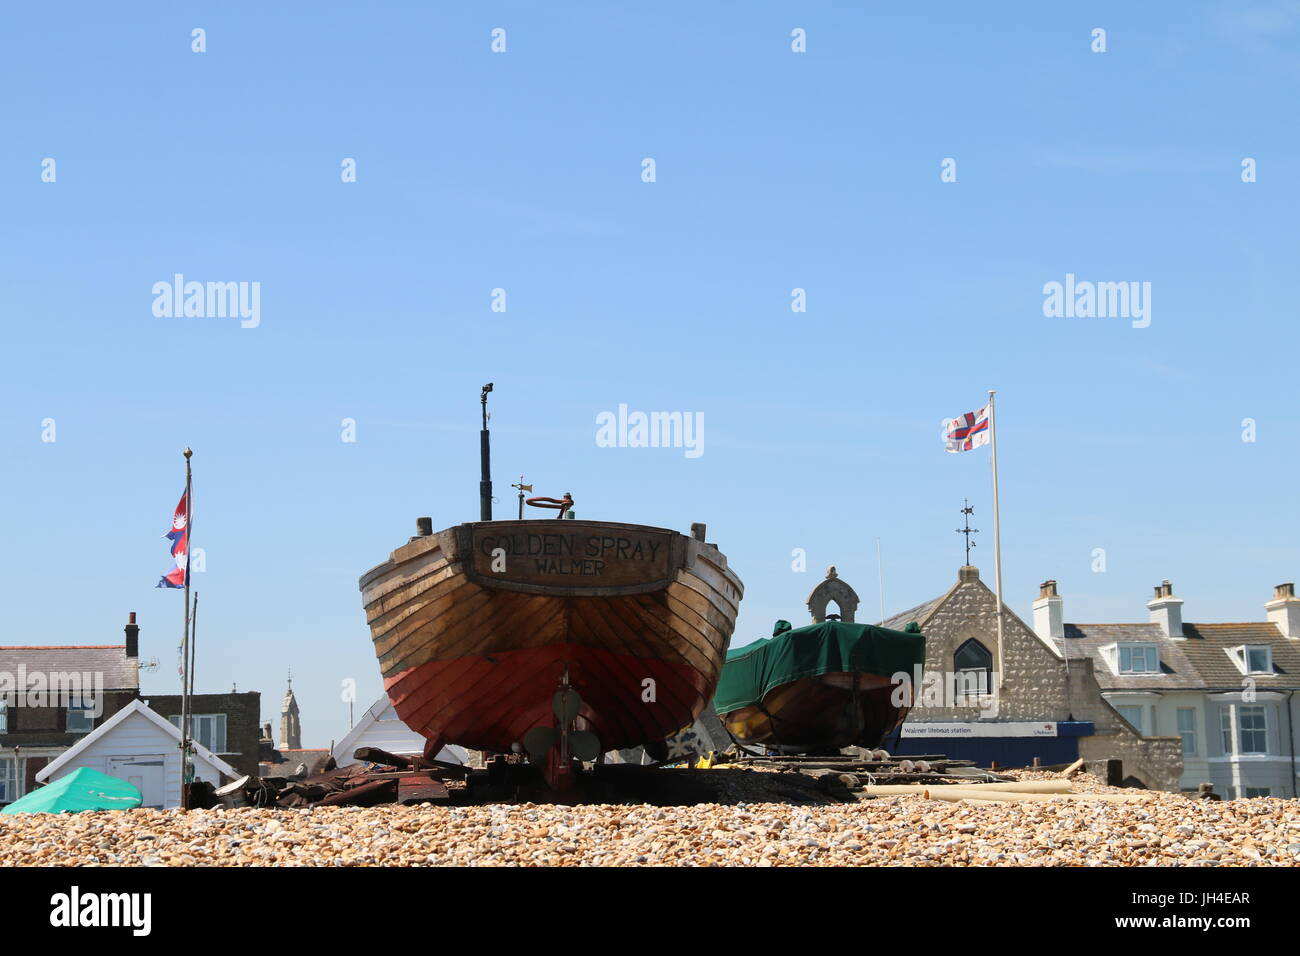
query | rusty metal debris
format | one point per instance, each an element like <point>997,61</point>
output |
<point>380,778</point>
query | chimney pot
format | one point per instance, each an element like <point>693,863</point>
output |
<point>1167,610</point>
<point>1284,610</point>
<point>1049,613</point>
<point>423,527</point>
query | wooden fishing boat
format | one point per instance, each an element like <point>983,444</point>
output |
<point>819,688</point>
<point>560,638</point>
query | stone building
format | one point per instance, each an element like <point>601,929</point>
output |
<point>1224,691</point>
<point>1039,704</point>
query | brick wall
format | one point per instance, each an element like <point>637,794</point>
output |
<point>47,726</point>
<point>243,713</point>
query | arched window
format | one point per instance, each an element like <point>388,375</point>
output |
<point>973,665</point>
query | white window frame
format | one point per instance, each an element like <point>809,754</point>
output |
<point>1150,653</point>
<point>209,730</point>
<point>1227,730</point>
<point>4,714</point>
<point>1188,734</point>
<point>1258,648</point>
<point>77,705</point>
<point>1256,710</point>
<point>9,779</point>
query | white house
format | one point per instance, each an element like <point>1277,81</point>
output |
<point>1224,689</point>
<point>141,747</point>
<point>380,727</point>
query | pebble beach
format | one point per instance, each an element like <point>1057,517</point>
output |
<point>1161,829</point>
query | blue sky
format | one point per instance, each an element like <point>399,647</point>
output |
<point>522,171</point>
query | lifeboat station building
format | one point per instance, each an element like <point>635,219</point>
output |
<point>1040,703</point>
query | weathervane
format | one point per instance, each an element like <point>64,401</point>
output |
<point>522,488</point>
<point>968,530</point>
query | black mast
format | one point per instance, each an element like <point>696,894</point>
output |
<point>968,530</point>
<point>485,456</point>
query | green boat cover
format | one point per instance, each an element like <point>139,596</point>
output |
<point>83,789</point>
<point>832,646</point>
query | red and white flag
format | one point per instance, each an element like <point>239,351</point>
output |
<point>966,431</point>
<point>179,536</point>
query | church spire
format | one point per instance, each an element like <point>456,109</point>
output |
<point>290,726</point>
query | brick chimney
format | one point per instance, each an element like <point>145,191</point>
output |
<point>1167,610</point>
<point>132,631</point>
<point>1284,610</point>
<point>1049,611</point>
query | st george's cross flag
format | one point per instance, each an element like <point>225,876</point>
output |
<point>179,536</point>
<point>966,431</point>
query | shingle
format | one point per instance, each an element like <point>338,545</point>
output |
<point>1207,646</point>
<point>1087,640</point>
<point>1199,661</point>
<point>119,671</point>
<point>918,614</point>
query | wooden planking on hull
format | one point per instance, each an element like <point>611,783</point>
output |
<point>615,605</point>
<point>493,704</point>
<point>813,714</point>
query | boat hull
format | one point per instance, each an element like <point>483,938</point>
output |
<point>476,627</point>
<point>820,714</point>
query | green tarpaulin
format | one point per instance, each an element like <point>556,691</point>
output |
<point>83,789</point>
<point>753,670</point>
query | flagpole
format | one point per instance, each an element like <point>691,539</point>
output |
<point>880,567</point>
<point>185,639</point>
<point>997,528</point>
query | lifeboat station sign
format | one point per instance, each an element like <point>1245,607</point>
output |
<point>1006,728</point>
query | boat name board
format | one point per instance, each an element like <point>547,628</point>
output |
<point>536,554</point>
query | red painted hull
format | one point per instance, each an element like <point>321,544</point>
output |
<point>490,705</point>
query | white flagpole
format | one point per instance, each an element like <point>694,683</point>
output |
<point>881,567</point>
<point>997,528</point>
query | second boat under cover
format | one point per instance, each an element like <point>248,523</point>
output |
<point>818,688</point>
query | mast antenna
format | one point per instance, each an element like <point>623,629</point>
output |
<point>485,458</point>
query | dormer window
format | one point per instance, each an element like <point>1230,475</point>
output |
<point>1259,659</point>
<point>1252,658</point>
<point>1139,659</point>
